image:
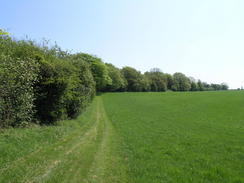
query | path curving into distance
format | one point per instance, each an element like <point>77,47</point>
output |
<point>88,155</point>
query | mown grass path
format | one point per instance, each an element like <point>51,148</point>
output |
<point>88,154</point>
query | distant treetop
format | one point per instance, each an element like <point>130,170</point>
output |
<point>3,33</point>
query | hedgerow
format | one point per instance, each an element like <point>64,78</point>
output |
<point>17,77</point>
<point>42,84</point>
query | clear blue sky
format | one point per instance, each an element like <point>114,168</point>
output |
<point>201,38</point>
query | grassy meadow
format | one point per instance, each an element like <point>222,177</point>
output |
<point>180,137</point>
<point>172,137</point>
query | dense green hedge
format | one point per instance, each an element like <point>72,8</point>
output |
<point>16,89</point>
<point>18,73</point>
<point>40,84</point>
<point>44,84</point>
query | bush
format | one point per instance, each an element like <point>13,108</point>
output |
<point>50,90</point>
<point>17,78</point>
<point>98,69</point>
<point>82,88</point>
<point>41,82</point>
<point>65,87</point>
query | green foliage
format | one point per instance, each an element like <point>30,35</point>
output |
<point>99,71</point>
<point>203,86</point>
<point>44,84</point>
<point>17,78</point>
<point>53,90</point>
<point>18,74</point>
<point>118,80</point>
<point>66,87</point>
<point>194,86</point>
<point>181,82</point>
<point>100,74</point>
<point>134,79</point>
<point>145,84</point>
<point>83,89</point>
<point>200,85</point>
<point>224,86</point>
<point>169,81</point>
<point>3,33</point>
<point>157,80</point>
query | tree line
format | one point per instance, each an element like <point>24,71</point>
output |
<point>43,84</point>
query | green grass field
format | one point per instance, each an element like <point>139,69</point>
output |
<point>135,138</point>
<point>180,137</point>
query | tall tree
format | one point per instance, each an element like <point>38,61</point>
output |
<point>133,78</point>
<point>169,81</point>
<point>181,82</point>
<point>118,81</point>
<point>200,85</point>
<point>99,71</point>
<point>157,80</point>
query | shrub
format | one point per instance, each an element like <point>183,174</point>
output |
<point>82,87</point>
<point>50,90</point>
<point>17,77</point>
